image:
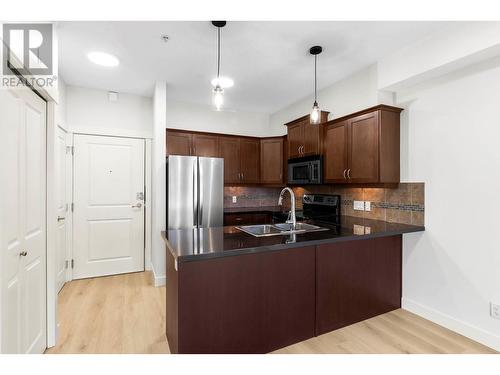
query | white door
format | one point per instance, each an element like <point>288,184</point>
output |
<point>63,200</point>
<point>108,196</point>
<point>23,217</point>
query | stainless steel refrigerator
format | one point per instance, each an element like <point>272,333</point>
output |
<point>195,192</point>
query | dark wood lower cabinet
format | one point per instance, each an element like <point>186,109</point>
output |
<point>256,303</point>
<point>253,303</point>
<point>247,218</point>
<point>357,280</point>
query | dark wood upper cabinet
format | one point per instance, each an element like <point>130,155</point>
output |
<point>250,160</point>
<point>178,143</point>
<point>229,149</point>
<point>205,145</point>
<point>363,147</point>
<point>192,144</point>
<point>295,140</point>
<point>335,152</point>
<point>271,160</point>
<point>305,139</point>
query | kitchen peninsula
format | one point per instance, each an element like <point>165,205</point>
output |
<point>231,292</point>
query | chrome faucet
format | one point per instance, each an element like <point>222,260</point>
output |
<point>291,215</point>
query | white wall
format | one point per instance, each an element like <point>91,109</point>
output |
<point>90,111</point>
<point>451,271</point>
<point>159,187</point>
<point>61,104</point>
<point>461,44</point>
<point>354,93</point>
<point>205,118</point>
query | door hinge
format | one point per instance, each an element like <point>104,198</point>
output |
<point>72,263</point>
<point>72,207</point>
<point>69,263</point>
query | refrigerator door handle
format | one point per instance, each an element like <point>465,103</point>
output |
<point>195,195</point>
<point>200,195</point>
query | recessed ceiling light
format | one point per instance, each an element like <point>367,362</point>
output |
<point>103,58</point>
<point>223,82</point>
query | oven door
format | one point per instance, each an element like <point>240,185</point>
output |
<point>299,173</point>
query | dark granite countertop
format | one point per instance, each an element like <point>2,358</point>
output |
<point>205,243</point>
<point>238,210</point>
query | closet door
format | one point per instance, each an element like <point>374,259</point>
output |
<point>23,231</point>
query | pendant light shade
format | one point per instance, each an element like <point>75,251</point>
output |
<point>218,91</point>
<point>315,117</point>
<point>315,114</point>
<point>218,97</point>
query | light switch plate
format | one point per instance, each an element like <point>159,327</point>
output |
<point>235,199</point>
<point>359,205</point>
<point>368,206</point>
<point>494,310</point>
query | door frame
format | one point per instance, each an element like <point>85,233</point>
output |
<point>147,191</point>
<point>69,194</point>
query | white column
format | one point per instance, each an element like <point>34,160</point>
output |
<point>158,182</point>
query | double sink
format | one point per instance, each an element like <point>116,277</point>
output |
<point>279,229</point>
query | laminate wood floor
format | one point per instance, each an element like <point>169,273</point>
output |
<point>126,314</point>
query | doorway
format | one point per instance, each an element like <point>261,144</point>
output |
<point>109,205</point>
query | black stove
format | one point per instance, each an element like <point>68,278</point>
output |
<point>322,208</point>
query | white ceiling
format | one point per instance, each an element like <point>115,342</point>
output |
<point>269,61</point>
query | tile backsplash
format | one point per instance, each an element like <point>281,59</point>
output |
<point>401,204</point>
<point>251,196</point>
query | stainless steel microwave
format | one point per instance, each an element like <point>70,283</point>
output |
<point>305,171</point>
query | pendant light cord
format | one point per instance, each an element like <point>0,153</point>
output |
<point>315,84</point>
<point>218,52</point>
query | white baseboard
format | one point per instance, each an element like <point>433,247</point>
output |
<point>158,280</point>
<point>474,333</point>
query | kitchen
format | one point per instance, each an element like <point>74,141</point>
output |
<point>291,196</point>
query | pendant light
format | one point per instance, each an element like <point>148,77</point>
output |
<point>218,91</point>
<point>315,112</point>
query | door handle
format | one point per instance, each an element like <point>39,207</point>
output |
<point>349,173</point>
<point>138,205</point>
<point>60,218</point>
<point>23,253</point>
<point>345,171</point>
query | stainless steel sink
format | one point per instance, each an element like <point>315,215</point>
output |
<point>299,227</point>
<point>260,230</point>
<point>279,229</point>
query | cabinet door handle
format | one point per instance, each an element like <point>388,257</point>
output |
<point>345,171</point>
<point>298,149</point>
<point>349,173</point>
<point>23,253</point>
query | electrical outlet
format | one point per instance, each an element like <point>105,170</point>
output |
<point>368,206</point>
<point>235,199</point>
<point>494,310</point>
<point>359,205</point>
